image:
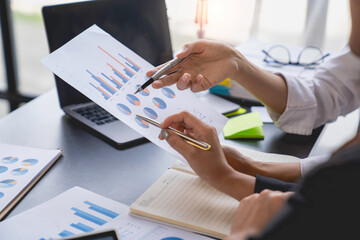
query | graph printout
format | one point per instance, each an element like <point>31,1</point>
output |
<point>79,211</point>
<point>109,73</point>
<point>19,166</point>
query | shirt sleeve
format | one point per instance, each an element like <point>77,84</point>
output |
<point>324,203</point>
<point>307,164</point>
<point>262,183</point>
<point>334,90</point>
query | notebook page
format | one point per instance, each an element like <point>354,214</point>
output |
<point>187,201</point>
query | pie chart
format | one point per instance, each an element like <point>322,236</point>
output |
<point>19,171</point>
<point>172,238</point>
<point>141,122</point>
<point>158,102</point>
<point>168,92</point>
<point>9,160</point>
<point>29,162</point>
<point>1,195</point>
<point>150,113</point>
<point>133,100</point>
<point>124,109</point>
<point>144,92</point>
<point>8,183</point>
<point>3,169</point>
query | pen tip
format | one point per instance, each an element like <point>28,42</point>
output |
<point>137,91</point>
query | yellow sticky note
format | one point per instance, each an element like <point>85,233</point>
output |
<point>237,112</point>
<point>246,126</point>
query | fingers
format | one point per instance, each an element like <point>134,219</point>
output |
<point>184,82</point>
<point>178,143</point>
<point>167,80</point>
<point>196,47</point>
<point>197,85</point>
<point>154,70</point>
<point>190,79</point>
<point>185,119</point>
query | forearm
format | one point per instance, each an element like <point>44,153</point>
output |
<point>285,171</point>
<point>235,184</point>
<point>354,41</point>
<point>270,89</point>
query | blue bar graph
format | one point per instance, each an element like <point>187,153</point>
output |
<point>130,63</point>
<point>102,93</point>
<point>89,217</point>
<point>130,74</point>
<point>82,227</point>
<point>107,87</point>
<point>118,85</point>
<point>66,233</point>
<point>101,210</point>
<point>123,78</point>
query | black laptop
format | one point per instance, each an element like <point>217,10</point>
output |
<point>141,25</point>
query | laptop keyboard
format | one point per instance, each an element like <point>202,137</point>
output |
<point>96,114</point>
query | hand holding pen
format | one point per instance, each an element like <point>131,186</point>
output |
<point>211,165</point>
<point>211,62</point>
<point>162,71</point>
<point>195,142</point>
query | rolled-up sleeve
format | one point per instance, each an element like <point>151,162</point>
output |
<point>334,90</point>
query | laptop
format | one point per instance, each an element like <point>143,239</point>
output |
<point>141,25</point>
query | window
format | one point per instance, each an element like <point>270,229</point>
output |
<point>232,21</point>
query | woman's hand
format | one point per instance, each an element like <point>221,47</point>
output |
<point>255,211</point>
<point>211,63</point>
<point>210,165</point>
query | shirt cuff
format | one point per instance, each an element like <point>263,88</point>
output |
<point>301,107</point>
<point>263,183</point>
<point>307,164</point>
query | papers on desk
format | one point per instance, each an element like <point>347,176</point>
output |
<point>20,168</point>
<point>252,50</point>
<point>108,73</point>
<point>264,115</point>
<point>219,104</point>
<point>77,211</point>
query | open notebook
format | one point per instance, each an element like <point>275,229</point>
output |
<point>179,197</point>
<point>20,169</point>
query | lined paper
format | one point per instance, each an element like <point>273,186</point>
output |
<point>185,200</point>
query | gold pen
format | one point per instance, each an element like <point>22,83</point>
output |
<point>197,143</point>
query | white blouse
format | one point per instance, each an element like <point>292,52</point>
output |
<point>334,90</point>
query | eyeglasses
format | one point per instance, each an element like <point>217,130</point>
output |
<point>309,57</point>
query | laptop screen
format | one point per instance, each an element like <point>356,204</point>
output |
<point>141,25</point>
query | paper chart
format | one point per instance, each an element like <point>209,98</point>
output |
<point>109,73</point>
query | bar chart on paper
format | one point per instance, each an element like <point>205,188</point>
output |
<point>86,218</point>
<point>78,211</point>
<point>120,71</point>
<point>109,73</point>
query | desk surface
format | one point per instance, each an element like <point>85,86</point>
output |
<point>88,162</point>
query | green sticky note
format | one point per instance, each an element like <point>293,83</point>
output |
<point>237,112</point>
<point>246,126</point>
